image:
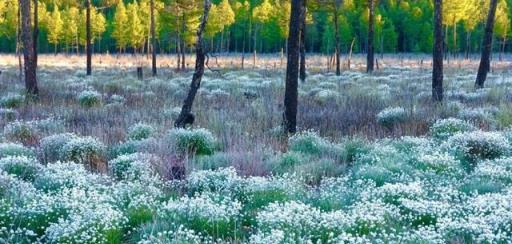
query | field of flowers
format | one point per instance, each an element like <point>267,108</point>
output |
<point>97,160</point>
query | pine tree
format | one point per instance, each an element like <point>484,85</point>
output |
<point>55,26</point>
<point>28,48</point>
<point>120,33</point>
<point>135,29</point>
<point>437,72</point>
<point>485,60</point>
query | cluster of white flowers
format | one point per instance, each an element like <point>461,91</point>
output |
<point>478,145</point>
<point>443,129</point>
<point>140,131</point>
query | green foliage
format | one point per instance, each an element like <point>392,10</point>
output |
<point>88,99</point>
<point>192,141</point>
<point>12,101</point>
<point>445,128</point>
<point>140,131</point>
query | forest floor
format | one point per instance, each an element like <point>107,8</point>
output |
<point>96,158</point>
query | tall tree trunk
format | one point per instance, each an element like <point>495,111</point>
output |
<point>437,73</point>
<point>485,60</point>
<point>36,31</point>
<point>292,68</point>
<point>88,36</point>
<point>337,37</point>
<point>28,48</point>
<point>18,46</point>
<point>153,38</point>
<point>178,52</point>
<point>302,72</point>
<point>371,19</point>
<point>186,116</point>
<point>468,44</point>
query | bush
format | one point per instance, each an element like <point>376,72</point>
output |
<point>308,142</point>
<point>391,116</point>
<point>12,101</point>
<point>8,114</point>
<point>213,162</point>
<point>140,131</point>
<point>192,141</point>
<point>51,146</point>
<point>85,150</point>
<point>13,149</point>
<point>19,131</point>
<point>132,166</point>
<point>89,99</point>
<point>445,128</point>
<point>22,167</point>
<point>472,146</point>
<point>130,146</point>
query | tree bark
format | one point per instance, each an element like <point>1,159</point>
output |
<point>153,38</point>
<point>292,68</point>
<point>36,31</point>
<point>371,19</point>
<point>302,71</point>
<point>88,36</point>
<point>437,73</point>
<point>28,49</point>
<point>485,60</point>
<point>337,37</point>
<point>186,116</point>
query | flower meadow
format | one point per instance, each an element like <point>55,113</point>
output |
<point>99,161</point>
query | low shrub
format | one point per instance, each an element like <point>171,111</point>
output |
<point>51,146</point>
<point>140,131</point>
<point>308,142</point>
<point>12,149</point>
<point>12,100</point>
<point>88,99</point>
<point>88,151</point>
<point>135,166</point>
<point>20,131</point>
<point>391,116</point>
<point>445,128</point>
<point>477,145</point>
<point>193,141</point>
<point>22,167</point>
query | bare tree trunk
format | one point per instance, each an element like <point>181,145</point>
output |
<point>350,53</point>
<point>437,72</point>
<point>178,52</point>
<point>153,38</point>
<point>485,62</point>
<point>18,46</point>
<point>468,44</point>
<point>186,116</point>
<point>88,36</point>
<point>302,71</point>
<point>36,31</point>
<point>28,48</point>
<point>371,17</point>
<point>292,68</point>
<point>337,37</point>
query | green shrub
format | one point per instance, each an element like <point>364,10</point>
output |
<point>308,142</point>
<point>132,166</point>
<point>13,149</point>
<point>22,167</point>
<point>8,114</point>
<point>20,131</point>
<point>445,128</point>
<point>391,116</point>
<point>85,150</point>
<point>51,146</point>
<point>12,101</point>
<point>130,146</point>
<point>214,161</point>
<point>192,141</point>
<point>88,99</point>
<point>477,145</point>
<point>352,149</point>
<point>140,131</point>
